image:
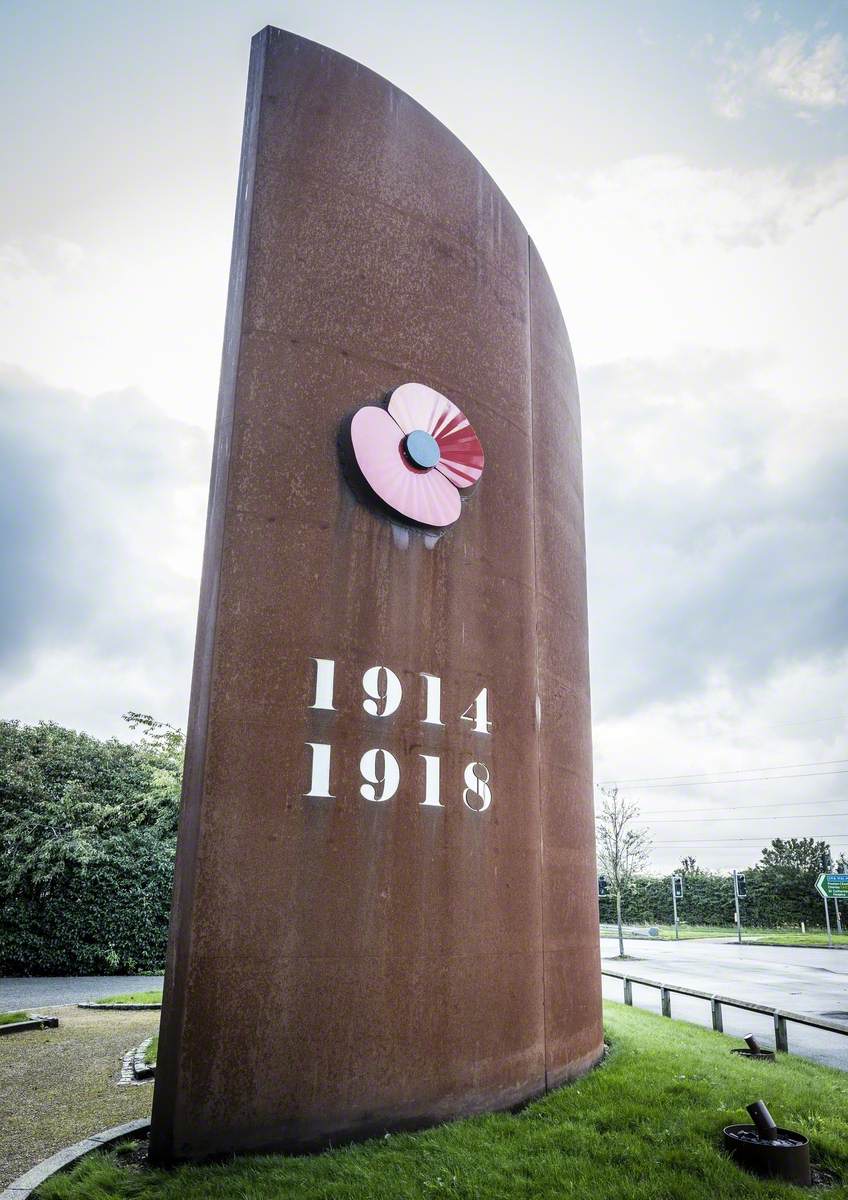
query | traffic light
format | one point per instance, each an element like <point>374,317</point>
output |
<point>741,890</point>
<point>678,887</point>
<point>603,889</point>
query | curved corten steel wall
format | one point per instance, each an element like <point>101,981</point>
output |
<point>385,909</point>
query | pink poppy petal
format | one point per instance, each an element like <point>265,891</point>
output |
<point>423,496</point>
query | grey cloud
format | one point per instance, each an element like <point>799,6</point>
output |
<point>730,570</point>
<point>95,496</point>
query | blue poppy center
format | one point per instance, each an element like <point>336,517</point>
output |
<point>422,448</point>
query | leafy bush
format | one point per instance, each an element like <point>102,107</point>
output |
<point>87,840</point>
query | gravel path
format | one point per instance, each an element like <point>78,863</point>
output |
<point>59,1085</point>
<point>31,992</point>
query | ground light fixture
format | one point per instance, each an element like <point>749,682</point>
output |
<point>753,1049</point>
<point>766,1150</point>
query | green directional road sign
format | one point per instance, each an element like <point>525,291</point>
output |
<point>834,887</point>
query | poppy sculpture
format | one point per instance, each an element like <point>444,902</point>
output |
<point>417,454</point>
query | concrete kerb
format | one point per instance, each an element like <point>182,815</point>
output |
<point>26,1184</point>
<point>34,1022</point>
<point>142,1069</point>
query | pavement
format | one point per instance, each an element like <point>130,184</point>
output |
<point>47,991</point>
<point>809,981</point>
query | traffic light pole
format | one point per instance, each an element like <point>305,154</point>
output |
<point>674,902</point>
<point>738,915</point>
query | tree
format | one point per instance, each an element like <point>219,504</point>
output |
<point>623,848</point>
<point>787,872</point>
<point>803,856</point>
<point>688,866</point>
<point>162,748</point>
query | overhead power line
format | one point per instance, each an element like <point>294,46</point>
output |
<point>769,804</point>
<point>709,715</point>
<point>814,721</point>
<point>767,817</point>
<point>826,762</point>
<point>643,787</point>
<point>756,841</point>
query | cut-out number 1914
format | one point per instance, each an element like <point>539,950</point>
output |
<point>379,768</point>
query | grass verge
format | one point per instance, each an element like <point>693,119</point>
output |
<point>151,1051</point>
<point>11,1018</point>
<point>785,937</point>
<point>644,1126</point>
<point>132,998</point>
<point>761,937</point>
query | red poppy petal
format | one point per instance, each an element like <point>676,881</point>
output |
<point>416,406</point>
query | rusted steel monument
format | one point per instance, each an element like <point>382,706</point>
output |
<point>385,909</point>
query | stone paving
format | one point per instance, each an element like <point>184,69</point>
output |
<point>57,1086</point>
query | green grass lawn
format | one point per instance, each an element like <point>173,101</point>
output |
<point>10,1018</point>
<point>133,998</point>
<point>695,931</point>
<point>150,1052</point>
<point>762,937</point>
<point>646,1125</point>
<point>785,937</point>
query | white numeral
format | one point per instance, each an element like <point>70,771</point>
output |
<point>387,779</point>
<point>383,687</point>
<point>324,671</point>
<point>431,781</point>
<point>434,699</point>
<point>480,720</point>
<point>320,770</point>
<point>477,785</point>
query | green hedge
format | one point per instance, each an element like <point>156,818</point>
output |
<point>87,840</point>
<point>107,917</point>
<point>774,899</point>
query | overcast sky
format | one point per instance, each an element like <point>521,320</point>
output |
<point>683,168</point>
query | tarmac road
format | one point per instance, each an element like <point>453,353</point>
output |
<point>46,991</point>
<point>809,981</point>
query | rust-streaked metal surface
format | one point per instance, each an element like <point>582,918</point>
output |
<point>340,966</point>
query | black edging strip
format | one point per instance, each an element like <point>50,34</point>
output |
<point>121,1007</point>
<point>30,1023</point>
